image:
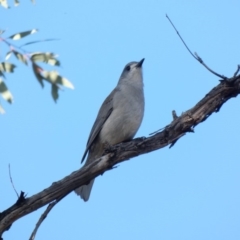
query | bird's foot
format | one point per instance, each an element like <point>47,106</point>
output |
<point>107,148</point>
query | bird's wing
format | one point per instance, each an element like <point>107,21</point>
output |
<point>103,114</point>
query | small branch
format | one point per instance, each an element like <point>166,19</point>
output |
<point>209,69</point>
<point>10,176</point>
<point>43,216</point>
<point>195,55</point>
<point>175,140</point>
<point>180,37</point>
<point>21,198</point>
<point>237,71</point>
<point>38,41</point>
<point>174,115</point>
<point>11,45</point>
<point>5,41</point>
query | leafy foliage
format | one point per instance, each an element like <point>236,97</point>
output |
<point>4,3</point>
<point>5,93</point>
<point>33,59</point>
<point>20,35</point>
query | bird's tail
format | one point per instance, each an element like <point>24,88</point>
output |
<point>84,191</point>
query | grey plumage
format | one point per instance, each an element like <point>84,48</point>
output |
<point>118,119</point>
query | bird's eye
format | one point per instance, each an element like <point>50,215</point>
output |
<point>128,68</point>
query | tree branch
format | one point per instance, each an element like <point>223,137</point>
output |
<point>195,55</point>
<point>10,176</point>
<point>211,103</point>
<point>43,216</point>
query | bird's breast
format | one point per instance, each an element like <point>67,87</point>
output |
<point>126,117</point>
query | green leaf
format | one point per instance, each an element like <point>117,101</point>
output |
<point>47,57</point>
<point>2,31</point>
<point>16,3</point>
<point>20,57</point>
<point>5,92</point>
<point>37,72</point>
<point>55,94</point>
<point>2,111</point>
<point>2,74</point>
<point>54,78</point>
<point>8,55</point>
<point>4,3</point>
<point>21,35</point>
<point>7,67</point>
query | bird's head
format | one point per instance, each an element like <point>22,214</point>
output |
<point>132,73</point>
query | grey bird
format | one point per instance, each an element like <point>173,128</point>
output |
<point>118,119</point>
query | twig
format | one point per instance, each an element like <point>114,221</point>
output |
<point>180,37</point>
<point>21,198</point>
<point>150,134</point>
<point>43,216</point>
<point>175,140</point>
<point>39,41</point>
<point>10,176</point>
<point>195,54</point>
<point>237,71</point>
<point>209,69</point>
<point>12,46</point>
<point>174,115</point>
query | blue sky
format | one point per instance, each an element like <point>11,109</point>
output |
<point>188,192</point>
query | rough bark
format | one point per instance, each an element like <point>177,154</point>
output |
<point>211,103</point>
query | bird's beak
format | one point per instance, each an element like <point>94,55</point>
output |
<point>140,63</point>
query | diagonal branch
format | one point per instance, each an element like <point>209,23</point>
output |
<point>211,103</point>
<point>43,216</point>
<point>195,55</point>
<point>10,176</point>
